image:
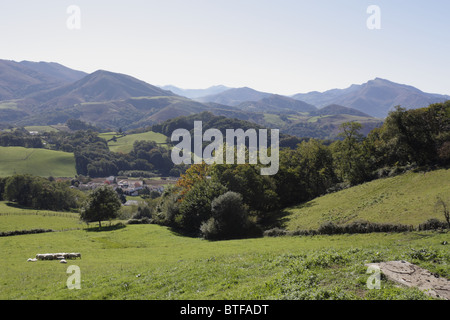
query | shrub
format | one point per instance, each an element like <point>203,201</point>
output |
<point>362,227</point>
<point>229,219</point>
<point>329,228</point>
<point>275,232</point>
<point>432,224</point>
<point>144,211</point>
<point>20,232</point>
<point>144,220</point>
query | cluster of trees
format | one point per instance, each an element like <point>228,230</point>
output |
<point>93,157</point>
<point>20,138</point>
<point>221,123</point>
<point>40,193</point>
<point>197,204</point>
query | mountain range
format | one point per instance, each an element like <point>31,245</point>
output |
<point>42,93</point>
<point>376,97</point>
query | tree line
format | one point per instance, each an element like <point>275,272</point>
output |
<point>20,137</point>
<point>40,193</point>
<point>93,157</point>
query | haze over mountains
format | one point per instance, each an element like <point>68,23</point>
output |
<point>19,79</point>
<point>42,93</point>
<point>376,97</point>
<point>196,93</point>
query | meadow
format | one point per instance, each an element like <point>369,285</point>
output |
<point>404,199</point>
<point>38,162</point>
<point>124,144</point>
<point>142,262</point>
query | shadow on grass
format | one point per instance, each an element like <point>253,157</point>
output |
<point>113,227</point>
<point>17,206</point>
<point>279,218</point>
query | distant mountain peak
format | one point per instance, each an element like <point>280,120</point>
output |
<point>375,97</point>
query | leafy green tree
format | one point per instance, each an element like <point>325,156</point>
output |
<point>418,136</point>
<point>229,218</point>
<point>350,159</point>
<point>195,206</point>
<point>41,193</point>
<point>304,173</point>
<point>257,191</point>
<point>102,204</point>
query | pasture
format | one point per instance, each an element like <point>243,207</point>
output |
<point>124,144</point>
<point>404,199</point>
<point>152,262</point>
<point>38,162</point>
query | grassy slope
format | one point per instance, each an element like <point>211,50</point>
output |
<point>125,144</point>
<point>407,199</point>
<point>16,218</point>
<point>151,262</point>
<point>39,162</point>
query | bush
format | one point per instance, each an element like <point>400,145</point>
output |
<point>144,220</point>
<point>275,232</point>
<point>144,211</point>
<point>361,227</point>
<point>329,228</point>
<point>433,224</point>
<point>21,232</point>
<point>195,207</point>
<point>229,219</point>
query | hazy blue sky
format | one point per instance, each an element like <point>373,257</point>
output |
<point>283,46</point>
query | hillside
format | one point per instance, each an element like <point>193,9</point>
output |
<point>405,199</point>
<point>99,86</point>
<point>124,144</point>
<point>55,70</point>
<point>196,93</point>
<point>335,109</point>
<point>276,104</point>
<point>235,96</point>
<point>39,162</point>
<point>19,79</point>
<point>375,97</point>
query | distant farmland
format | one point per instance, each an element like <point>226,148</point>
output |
<point>39,162</point>
<point>124,144</point>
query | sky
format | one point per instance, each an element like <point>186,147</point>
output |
<point>283,46</point>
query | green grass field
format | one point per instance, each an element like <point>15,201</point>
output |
<point>39,162</point>
<point>407,199</point>
<point>13,218</point>
<point>145,262</point>
<point>125,144</point>
<point>151,262</point>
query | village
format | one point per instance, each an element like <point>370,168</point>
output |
<point>130,187</point>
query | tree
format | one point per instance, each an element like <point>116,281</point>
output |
<point>102,204</point>
<point>196,173</point>
<point>229,218</point>
<point>195,206</point>
<point>350,158</point>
